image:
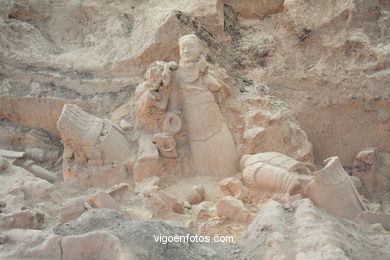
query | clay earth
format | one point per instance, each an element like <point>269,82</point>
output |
<point>265,122</point>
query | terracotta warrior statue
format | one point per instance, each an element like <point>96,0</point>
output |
<point>211,143</point>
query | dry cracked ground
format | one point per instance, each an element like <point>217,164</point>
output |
<point>308,79</point>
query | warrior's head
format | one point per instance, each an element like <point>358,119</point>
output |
<point>189,48</point>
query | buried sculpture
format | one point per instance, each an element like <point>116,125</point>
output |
<point>187,93</point>
<point>329,188</point>
<point>212,147</point>
<point>180,126</point>
<point>95,150</point>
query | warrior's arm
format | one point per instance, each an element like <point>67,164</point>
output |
<point>217,86</point>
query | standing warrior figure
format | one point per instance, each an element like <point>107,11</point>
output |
<point>211,143</point>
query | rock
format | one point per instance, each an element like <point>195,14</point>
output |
<point>22,219</point>
<point>232,187</point>
<point>375,217</point>
<point>372,167</point>
<point>233,209</point>
<point>34,245</point>
<point>252,133</point>
<point>196,195</point>
<point>3,204</point>
<point>161,202</point>
<point>291,199</point>
<point>252,137</point>
<point>117,189</point>
<point>92,245</point>
<point>125,126</point>
<point>147,162</point>
<point>35,169</point>
<point>255,8</point>
<point>165,144</point>
<point>36,154</point>
<point>3,239</point>
<point>178,207</point>
<point>378,228</point>
<point>202,210</point>
<point>50,208</point>
<point>37,188</point>
<point>141,237</point>
<point>103,200</point>
<point>4,164</point>
<point>74,208</point>
<point>318,235</point>
<point>152,181</point>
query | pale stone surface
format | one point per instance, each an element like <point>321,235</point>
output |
<point>153,96</point>
<point>203,210</point>
<point>281,161</point>
<point>160,202</point>
<point>21,159</point>
<point>333,182</point>
<point>22,219</point>
<point>37,188</point>
<point>196,195</point>
<point>279,135</point>
<point>147,182</point>
<point>297,81</point>
<point>372,167</point>
<point>375,218</point>
<point>74,208</point>
<point>212,147</point>
<point>36,154</point>
<point>255,8</point>
<point>93,245</point>
<point>232,187</point>
<point>147,163</point>
<point>137,236</point>
<point>4,163</point>
<point>91,147</point>
<point>317,235</point>
<point>90,138</point>
<point>34,245</point>
<point>166,145</point>
<point>233,209</point>
<point>125,126</point>
<point>356,182</point>
<point>117,189</point>
<point>104,200</point>
<point>260,175</point>
<point>188,92</point>
<point>35,169</point>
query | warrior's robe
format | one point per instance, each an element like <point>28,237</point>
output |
<point>212,147</point>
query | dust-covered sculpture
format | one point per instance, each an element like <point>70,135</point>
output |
<point>95,150</point>
<point>372,167</point>
<point>123,125</point>
<point>186,93</point>
<point>212,147</point>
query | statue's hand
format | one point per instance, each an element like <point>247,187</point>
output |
<point>173,65</point>
<point>154,95</point>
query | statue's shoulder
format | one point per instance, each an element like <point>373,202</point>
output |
<point>203,66</point>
